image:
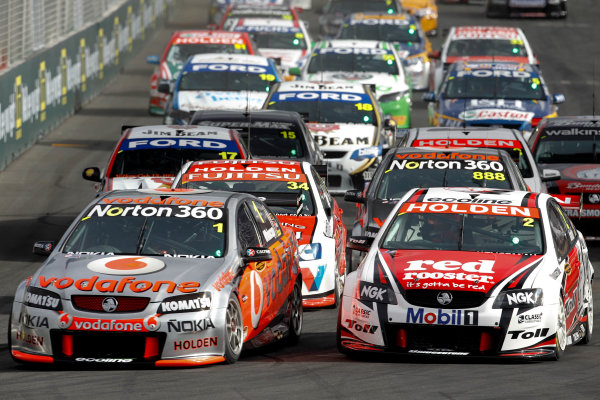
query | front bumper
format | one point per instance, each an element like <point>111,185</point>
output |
<point>474,332</point>
<point>177,341</point>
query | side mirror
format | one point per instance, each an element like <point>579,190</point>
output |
<point>558,98</point>
<point>164,87</point>
<point>153,60</point>
<point>92,174</point>
<point>212,27</point>
<point>428,97</point>
<point>360,243</point>
<point>549,175</point>
<point>43,248</point>
<point>256,254</point>
<point>355,196</point>
<point>294,71</point>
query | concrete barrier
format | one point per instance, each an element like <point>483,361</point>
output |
<point>47,88</point>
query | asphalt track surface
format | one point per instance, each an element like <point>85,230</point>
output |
<point>42,191</point>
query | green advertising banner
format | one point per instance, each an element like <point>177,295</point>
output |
<point>47,88</point>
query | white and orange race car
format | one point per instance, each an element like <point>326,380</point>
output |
<point>299,198</point>
<point>470,272</point>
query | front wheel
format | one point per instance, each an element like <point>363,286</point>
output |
<point>234,335</point>
<point>296,313</point>
<point>561,331</point>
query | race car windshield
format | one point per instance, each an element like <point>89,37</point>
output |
<point>275,143</point>
<point>403,175</point>
<point>470,87</point>
<point>266,139</point>
<point>464,232</point>
<point>150,230</point>
<point>352,6</point>
<point>568,149</point>
<point>179,53</point>
<point>279,40</point>
<point>160,162</point>
<point>376,63</point>
<point>225,81</point>
<point>387,33</point>
<point>260,188</point>
<point>330,111</point>
<point>486,48</point>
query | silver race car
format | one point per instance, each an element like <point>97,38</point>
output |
<point>160,277</point>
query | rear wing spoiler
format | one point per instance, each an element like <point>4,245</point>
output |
<point>570,202</point>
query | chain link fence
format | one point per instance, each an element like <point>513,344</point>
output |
<point>27,26</point>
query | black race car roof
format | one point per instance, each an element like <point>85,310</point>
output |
<point>236,116</point>
<point>588,121</point>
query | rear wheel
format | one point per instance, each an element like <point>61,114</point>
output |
<point>234,335</point>
<point>561,330</point>
<point>296,313</point>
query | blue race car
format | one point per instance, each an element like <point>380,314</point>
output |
<point>216,81</point>
<point>499,94</point>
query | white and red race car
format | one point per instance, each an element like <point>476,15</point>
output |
<point>470,272</point>
<point>316,218</point>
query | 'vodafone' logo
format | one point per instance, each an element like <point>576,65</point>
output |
<point>126,265</point>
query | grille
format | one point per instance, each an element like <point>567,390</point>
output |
<point>125,303</point>
<point>460,299</point>
<point>334,154</point>
<point>472,339</point>
<point>107,344</point>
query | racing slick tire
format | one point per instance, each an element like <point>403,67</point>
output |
<point>561,331</point>
<point>234,334</point>
<point>589,322</point>
<point>296,313</point>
